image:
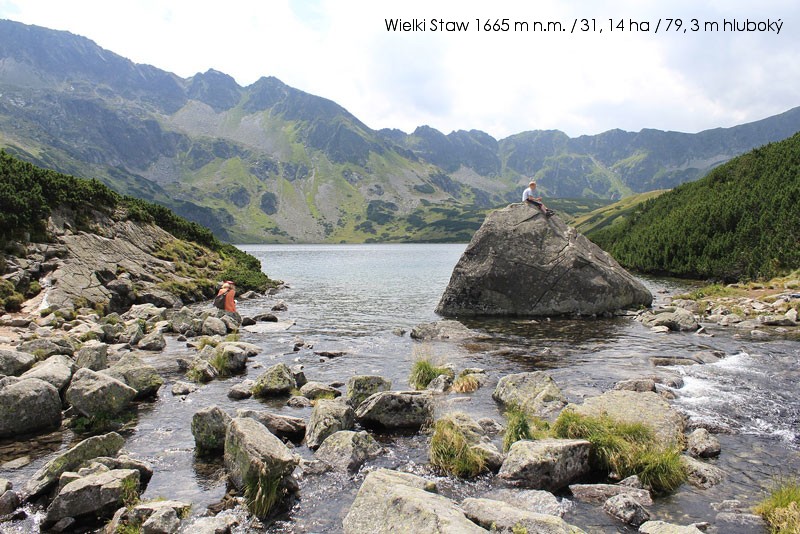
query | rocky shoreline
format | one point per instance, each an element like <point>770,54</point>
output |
<point>74,367</point>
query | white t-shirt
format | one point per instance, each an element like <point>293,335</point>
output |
<point>528,193</point>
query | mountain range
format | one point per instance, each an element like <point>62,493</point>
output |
<point>271,163</point>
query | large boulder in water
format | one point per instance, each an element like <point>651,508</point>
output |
<point>522,263</point>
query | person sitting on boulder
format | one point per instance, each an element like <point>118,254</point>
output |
<point>226,293</point>
<point>527,196</point>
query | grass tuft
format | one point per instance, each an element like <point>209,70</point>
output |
<point>423,372</point>
<point>781,509</point>
<point>451,451</point>
<point>466,383</point>
<point>625,449</point>
<point>261,493</point>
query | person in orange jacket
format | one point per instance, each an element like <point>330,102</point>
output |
<point>228,289</point>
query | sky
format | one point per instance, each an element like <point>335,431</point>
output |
<point>597,68</point>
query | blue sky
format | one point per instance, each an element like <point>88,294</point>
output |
<point>500,82</point>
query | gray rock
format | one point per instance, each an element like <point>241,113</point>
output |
<point>213,326</point>
<point>283,426</point>
<point>627,509</point>
<point>600,493</point>
<point>346,451</point>
<point>315,390</point>
<point>208,428</point>
<point>565,272</point>
<point>9,501</point>
<point>222,523</point>
<point>88,449</point>
<point>92,394</point>
<point>92,355</point>
<point>503,517</point>
<point>535,393</point>
<point>678,320</point>
<point>154,342</point>
<point>647,408</point>
<point>14,362</point>
<point>396,409</point>
<point>243,390</point>
<point>56,370</point>
<point>700,443</point>
<point>137,374</point>
<point>253,452</point>
<point>44,348</point>
<point>701,474</point>
<point>146,312</point>
<point>275,381</point>
<point>99,495</point>
<point>164,521</point>
<point>328,417</point>
<point>448,329</point>
<point>183,388</point>
<point>42,406</point>
<point>548,464</point>
<point>389,502</point>
<point>362,386</point>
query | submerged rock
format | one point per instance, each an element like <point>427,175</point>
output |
<point>521,263</point>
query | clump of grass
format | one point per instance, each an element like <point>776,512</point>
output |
<point>781,509</point>
<point>261,493</point>
<point>625,449</point>
<point>221,364</point>
<point>466,383</point>
<point>520,426</point>
<point>451,451</point>
<point>423,372</point>
<point>130,492</point>
<point>517,427</point>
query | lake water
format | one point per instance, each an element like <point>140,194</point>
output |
<point>361,300</point>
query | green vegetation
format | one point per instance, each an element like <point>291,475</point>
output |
<point>740,222</point>
<point>625,449</point>
<point>423,372</point>
<point>517,428</point>
<point>451,451</point>
<point>261,492</point>
<point>29,194</point>
<point>781,509</point>
<point>102,422</point>
<point>520,426</point>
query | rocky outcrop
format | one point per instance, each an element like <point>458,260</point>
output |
<point>521,263</point>
<point>390,502</point>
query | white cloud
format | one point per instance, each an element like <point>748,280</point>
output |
<point>499,82</point>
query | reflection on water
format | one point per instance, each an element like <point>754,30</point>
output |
<point>359,299</point>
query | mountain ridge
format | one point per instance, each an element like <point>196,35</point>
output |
<point>271,163</point>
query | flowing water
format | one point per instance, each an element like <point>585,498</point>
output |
<point>360,301</point>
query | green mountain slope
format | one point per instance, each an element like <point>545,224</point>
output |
<point>740,221</point>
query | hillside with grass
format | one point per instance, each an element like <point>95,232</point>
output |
<point>30,197</point>
<point>740,222</point>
